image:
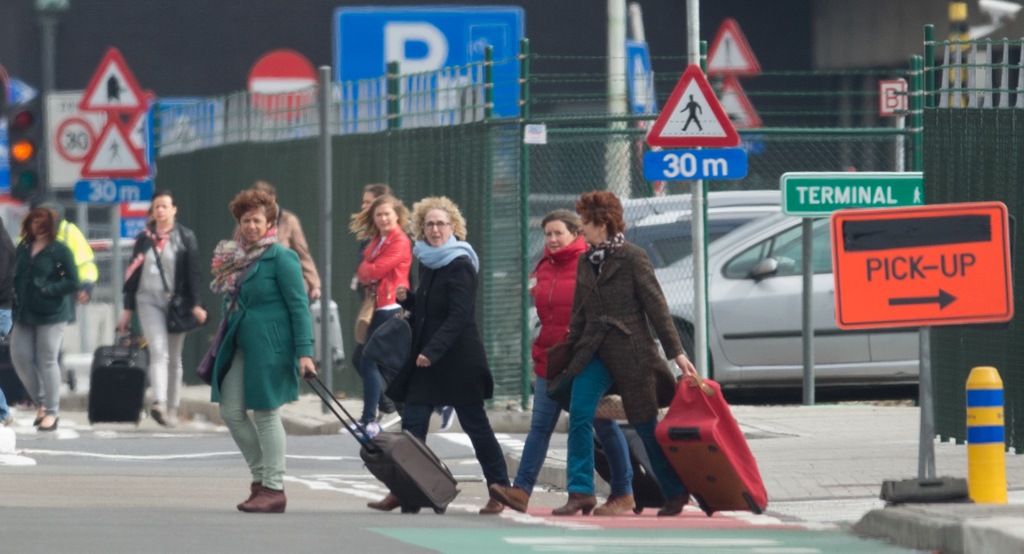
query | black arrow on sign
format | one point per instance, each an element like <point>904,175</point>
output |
<point>943,299</point>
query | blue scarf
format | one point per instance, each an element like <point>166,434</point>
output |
<point>439,256</point>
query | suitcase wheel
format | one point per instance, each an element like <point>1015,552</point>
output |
<point>712,448</point>
<point>441,510</point>
<point>410,509</point>
<point>702,505</point>
<point>638,510</point>
<point>751,504</point>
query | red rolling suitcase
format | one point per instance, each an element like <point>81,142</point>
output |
<point>411,471</point>
<point>704,444</point>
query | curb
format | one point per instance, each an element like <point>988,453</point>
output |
<point>948,528</point>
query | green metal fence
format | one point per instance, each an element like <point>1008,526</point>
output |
<point>974,151</point>
<point>434,133</point>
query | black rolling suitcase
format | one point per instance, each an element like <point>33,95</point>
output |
<point>117,383</point>
<point>14,390</point>
<point>402,462</point>
<point>646,490</point>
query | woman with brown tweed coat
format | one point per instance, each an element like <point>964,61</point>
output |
<point>616,295</point>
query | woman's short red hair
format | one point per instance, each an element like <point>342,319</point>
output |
<point>601,207</point>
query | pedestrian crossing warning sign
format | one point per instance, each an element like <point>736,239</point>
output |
<point>730,53</point>
<point>693,117</point>
<point>114,156</point>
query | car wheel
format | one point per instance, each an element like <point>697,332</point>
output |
<point>686,336</point>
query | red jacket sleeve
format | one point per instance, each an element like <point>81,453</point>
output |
<point>391,256</point>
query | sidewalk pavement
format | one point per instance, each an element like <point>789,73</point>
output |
<point>805,453</point>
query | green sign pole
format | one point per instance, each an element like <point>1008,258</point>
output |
<point>811,194</point>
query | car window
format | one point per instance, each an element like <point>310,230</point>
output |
<point>787,249</point>
<point>673,249</point>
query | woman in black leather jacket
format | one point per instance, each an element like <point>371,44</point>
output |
<point>164,276</point>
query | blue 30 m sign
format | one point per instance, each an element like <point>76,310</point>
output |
<point>713,163</point>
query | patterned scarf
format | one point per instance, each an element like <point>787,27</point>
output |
<point>137,261</point>
<point>598,254</point>
<point>231,257</point>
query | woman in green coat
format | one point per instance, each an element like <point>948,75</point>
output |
<point>268,344</point>
<point>44,276</point>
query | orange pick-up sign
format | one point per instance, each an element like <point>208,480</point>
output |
<point>943,264</point>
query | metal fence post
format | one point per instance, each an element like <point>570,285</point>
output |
<point>524,217</point>
<point>326,229</point>
<point>488,82</point>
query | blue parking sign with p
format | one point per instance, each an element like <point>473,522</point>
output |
<point>366,39</point>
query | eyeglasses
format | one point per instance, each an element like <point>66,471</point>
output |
<point>437,224</point>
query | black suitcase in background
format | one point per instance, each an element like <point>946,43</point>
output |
<point>14,390</point>
<point>409,469</point>
<point>117,384</point>
<point>646,490</point>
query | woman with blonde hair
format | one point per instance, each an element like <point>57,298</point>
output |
<point>384,267</point>
<point>447,364</point>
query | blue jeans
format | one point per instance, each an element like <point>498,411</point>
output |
<point>545,418</point>
<point>370,372</point>
<point>5,327</point>
<point>473,419</point>
<point>587,389</point>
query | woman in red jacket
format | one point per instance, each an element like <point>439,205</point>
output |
<point>553,293</point>
<point>385,267</point>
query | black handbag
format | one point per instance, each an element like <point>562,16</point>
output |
<point>180,318</point>
<point>389,345</point>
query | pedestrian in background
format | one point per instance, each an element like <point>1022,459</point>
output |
<point>370,193</point>
<point>385,267</point>
<point>552,295</point>
<point>290,235</point>
<point>45,275</point>
<point>616,302</point>
<point>165,266</point>
<point>447,364</point>
<point>267,346</point>
<point>6,303</point>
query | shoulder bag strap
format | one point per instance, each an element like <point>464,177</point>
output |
<point>160,266</point>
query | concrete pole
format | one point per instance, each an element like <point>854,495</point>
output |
<point>807,265</point>
<point>617,148</point>
<point>699,238</point>
<point>326,228</point>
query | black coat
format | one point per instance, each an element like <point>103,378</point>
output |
<point>188,274</point>
<point>444,330</point>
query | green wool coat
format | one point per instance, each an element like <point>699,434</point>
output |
<point>273,328</point>
<point>43,284</point>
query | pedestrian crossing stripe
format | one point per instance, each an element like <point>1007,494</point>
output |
<point>693,116</point>
<point>114,155</point>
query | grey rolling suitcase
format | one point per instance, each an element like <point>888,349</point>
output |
<point>334,325</point>
<point>401,461</point>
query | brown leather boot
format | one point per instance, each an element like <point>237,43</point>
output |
<point>577,501</point>
<point>254,489</point>
<point>386,504</point>
<point>673,506</point>
<point>492,507</point>
<point>513,497</point>
<point>616,504</point>
<point>267,501</point>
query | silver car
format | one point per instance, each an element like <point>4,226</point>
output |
<point>755,331</point>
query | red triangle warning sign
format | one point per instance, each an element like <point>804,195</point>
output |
<point>113,87</point>
<point>114,156</point>
<point>730,54</point>
<point>737,105</point>
<point>693,117</point>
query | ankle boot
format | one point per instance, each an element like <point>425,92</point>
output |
<point>254,489</point>
<point>513,497</point>
<point>267,501</point>
<point>616,504</point>
<point>492,507</point>
<point>388,503</point>
<point>577,501</point>
<point>673,506</point>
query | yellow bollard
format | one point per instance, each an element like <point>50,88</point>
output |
<point>986,443</point>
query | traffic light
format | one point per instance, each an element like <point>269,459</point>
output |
<point>24,142</point>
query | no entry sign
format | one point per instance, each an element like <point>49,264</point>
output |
<point>927,265</point>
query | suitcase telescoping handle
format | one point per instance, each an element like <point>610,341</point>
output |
<point>348,422</point>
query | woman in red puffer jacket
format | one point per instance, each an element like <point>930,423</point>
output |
<point>556,282</point>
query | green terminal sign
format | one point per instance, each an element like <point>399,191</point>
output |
<point>810,194</point>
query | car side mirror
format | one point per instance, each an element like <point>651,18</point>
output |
<point>765,268</point>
